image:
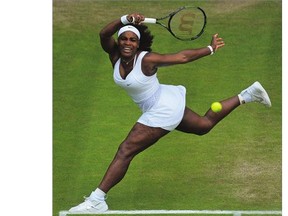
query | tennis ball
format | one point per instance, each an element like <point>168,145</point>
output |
<point>216,107</point>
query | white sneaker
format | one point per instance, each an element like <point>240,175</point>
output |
<point>90,205</point>
<point>257,94</point>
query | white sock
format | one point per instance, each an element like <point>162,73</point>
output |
<point>245,96</point>
<point>241,99</point>
<point>98,194</point>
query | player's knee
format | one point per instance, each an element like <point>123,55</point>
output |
<point>203,132</point>
<point>125,151</point>
<point>207,126</point>
<point>204,129</point>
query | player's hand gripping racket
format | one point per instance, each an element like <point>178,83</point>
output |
<point>186,23</point>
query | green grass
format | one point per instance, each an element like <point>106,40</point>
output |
<point>235,166</point>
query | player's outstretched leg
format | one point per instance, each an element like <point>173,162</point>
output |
<point>140,138</point>
<point>200,125</point>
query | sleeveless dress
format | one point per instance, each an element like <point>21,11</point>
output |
<point>162,105</point>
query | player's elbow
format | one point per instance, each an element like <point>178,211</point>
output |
<point>102,34</point>
<point>186,56</point>
<point>183,59</point>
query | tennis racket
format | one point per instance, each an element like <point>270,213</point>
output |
<point>185,23</point>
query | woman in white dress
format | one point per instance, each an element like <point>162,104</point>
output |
<point>163,106</point>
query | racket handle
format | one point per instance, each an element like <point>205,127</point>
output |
<point>149,20</point>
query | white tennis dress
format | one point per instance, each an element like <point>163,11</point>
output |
<point>162,105</point>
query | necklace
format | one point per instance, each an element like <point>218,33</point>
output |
<point>127,62</point>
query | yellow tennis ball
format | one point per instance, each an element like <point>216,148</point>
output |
<point>216,107</point>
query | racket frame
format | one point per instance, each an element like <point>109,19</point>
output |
<point>171,15</point>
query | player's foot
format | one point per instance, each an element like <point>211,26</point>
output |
<point>256,93</point>
<point>90,205</point>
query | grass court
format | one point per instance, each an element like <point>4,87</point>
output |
<point>237,166</point>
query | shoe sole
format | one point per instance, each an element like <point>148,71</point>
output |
<point>91,210</point>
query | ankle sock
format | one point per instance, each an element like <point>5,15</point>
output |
<point>98,194</point>
<point>245,96</point>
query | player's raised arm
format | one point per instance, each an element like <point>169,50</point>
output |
<point>108,43</point>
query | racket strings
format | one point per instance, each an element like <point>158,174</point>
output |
<point>187,24</point>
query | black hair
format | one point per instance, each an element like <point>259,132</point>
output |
<point>146,38</point>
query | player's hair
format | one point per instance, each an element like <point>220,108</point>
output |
<point>146,39</point>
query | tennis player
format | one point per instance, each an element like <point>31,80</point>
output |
<point>163,106</point>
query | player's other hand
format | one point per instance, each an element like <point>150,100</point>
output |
<point>217,42</point>
<point>135,18</point>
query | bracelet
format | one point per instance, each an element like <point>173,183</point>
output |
<point>124,20</point>
<point>211,49</point>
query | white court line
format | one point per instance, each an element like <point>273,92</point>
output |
<point>163,212</point>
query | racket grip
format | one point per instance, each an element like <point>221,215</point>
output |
<point>149,20</point>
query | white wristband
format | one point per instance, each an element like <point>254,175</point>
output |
<point>124,20</point>
<point>211,49</point>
